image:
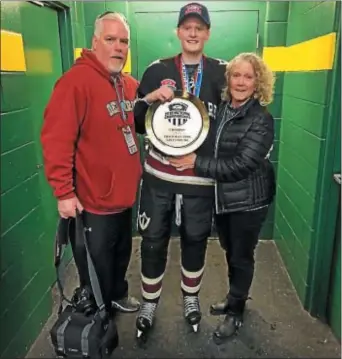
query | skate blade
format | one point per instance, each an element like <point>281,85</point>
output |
<point>195,328</point>
<point>141,339</point>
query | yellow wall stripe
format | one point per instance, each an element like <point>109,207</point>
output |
<point>12,51</point>
<point>77,52</point>
<point>312,55</point>
<point>127,68</point>
<point>128,65</point>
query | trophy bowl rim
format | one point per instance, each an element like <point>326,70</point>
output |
<point>172,151</point>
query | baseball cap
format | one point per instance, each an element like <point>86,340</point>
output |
<point>194,9</point>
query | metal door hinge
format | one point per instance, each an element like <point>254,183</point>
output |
<point>257,41</point>
<point>337,178</point>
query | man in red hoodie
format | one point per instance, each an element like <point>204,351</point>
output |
<point>91,156</point>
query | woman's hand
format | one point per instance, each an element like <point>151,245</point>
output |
<point>182,163</point>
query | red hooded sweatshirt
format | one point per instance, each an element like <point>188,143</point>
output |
<point>84,148</point>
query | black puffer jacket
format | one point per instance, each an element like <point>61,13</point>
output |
<point>244,175</point>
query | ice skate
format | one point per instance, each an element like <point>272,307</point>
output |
<point>192,312</point>
<point>145,320</point>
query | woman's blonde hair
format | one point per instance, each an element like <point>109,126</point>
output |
<point>264,77</point>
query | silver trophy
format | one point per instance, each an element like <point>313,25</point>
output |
<point>177,127</point>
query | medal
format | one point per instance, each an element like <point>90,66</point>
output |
<point>194,85</point>
<point>123,110</point>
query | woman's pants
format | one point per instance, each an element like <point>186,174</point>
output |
<point>238,234</point>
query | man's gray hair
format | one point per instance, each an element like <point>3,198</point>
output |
<point>115,16</point>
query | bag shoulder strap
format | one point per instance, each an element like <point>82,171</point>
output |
<point>94,280</point>
<point>61,242</point>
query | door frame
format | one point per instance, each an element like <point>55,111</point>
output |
<point>65,31</point>
<point>324,236</point>
<point>67,58</point>
<point>331,300</point>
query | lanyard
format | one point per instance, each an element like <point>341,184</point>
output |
<point>197,78</point>
<point>120,98</point>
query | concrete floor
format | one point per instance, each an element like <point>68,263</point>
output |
<point>275,325</point>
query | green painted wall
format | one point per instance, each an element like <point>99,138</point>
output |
<point>133,9</point>
<point>28,210</point>
<point>302,224</point>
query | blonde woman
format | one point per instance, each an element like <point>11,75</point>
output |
<point>245,181</point>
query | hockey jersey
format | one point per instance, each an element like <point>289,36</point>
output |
<point>167,71</point>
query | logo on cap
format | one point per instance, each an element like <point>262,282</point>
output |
<point>193,8</point>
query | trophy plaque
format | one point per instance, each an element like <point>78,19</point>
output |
<point>177,127</point>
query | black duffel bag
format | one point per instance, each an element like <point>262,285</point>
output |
<point>76,334</point>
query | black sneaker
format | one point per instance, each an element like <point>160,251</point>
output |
<point>228,328</point>
<point>127,304</point>
<point>83,300</point>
